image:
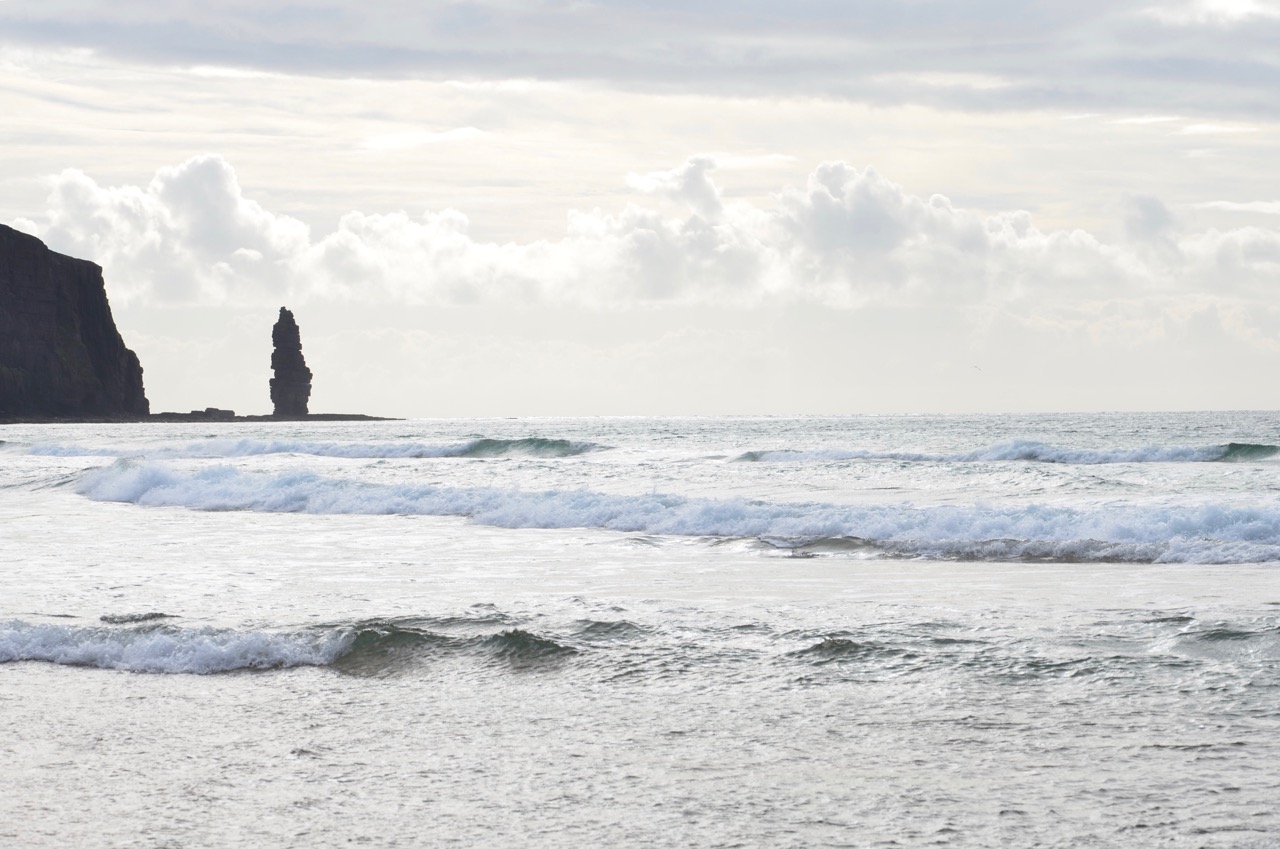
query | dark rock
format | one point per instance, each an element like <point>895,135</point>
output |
<point>60,352</point>
<point>210,413</point>
<point>291,386</point>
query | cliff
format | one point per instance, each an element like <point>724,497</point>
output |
<point>60,353</point>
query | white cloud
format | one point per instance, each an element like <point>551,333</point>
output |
<point>848,237</point>
<point>420,138</point>
<point>1245,260</point>
<point>190,234</point>
<point>1123,54</point>
<point>690,183</point>
<point>1214,129</point>
<point>1214,12</point>
<point>1260,207</point>
<point>744,162</point>
<point>1148,119</point>
<point>945,80</point>
<point>220,72</point>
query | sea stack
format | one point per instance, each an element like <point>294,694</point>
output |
<point>291,386</point>
<point>61,355</point>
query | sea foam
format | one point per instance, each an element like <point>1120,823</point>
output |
<point>1030,451</point>
<point>361,648</point>
<point>1143,532</point>
<point>168,649</point>
<point>479,448</point>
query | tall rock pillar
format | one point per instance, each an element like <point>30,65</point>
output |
<point>291,386</point>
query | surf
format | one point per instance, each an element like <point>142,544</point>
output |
<point>1027,451</point>
<point>1165,531</point>
<point>478,448</point>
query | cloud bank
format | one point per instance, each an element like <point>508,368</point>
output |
<point>1204,56</point>
<point>846,238</point>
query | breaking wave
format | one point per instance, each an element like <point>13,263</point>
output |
<point>480,448</point>
<point>396,646</point>
<point>152,648</point>
<point>1035,452</point>
<point>1205,532</point>
<point>361,648</point>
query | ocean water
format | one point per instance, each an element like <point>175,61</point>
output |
<point>1054,630</point>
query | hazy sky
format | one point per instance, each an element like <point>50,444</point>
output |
<point>542,208</point>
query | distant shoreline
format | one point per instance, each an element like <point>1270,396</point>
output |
<point>201,417</point>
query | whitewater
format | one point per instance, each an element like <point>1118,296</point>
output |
<point>1038,630</point>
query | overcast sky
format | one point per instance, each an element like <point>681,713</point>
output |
<point>545,208</point>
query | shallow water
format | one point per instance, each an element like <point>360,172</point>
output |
<point>323,662</point>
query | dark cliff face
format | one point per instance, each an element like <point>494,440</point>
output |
<point>291,386</point>
<point>60,353</point>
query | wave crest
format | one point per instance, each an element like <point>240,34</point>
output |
<point>1031,452</point>
<point>837,649</point>
<point>1154,532</point>
<point>479,448</point>
<point>371,648</point>
<point>521,646</point>
<point>167,649</point>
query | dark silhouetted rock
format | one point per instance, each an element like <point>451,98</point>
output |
<point>213,414</point>
<point>291,386</point>
<point>60,353</point>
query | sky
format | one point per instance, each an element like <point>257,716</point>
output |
<point>502,208</point>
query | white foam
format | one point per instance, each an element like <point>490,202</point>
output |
<point>216,448</point>
<point>228,448</point>
<point>1166,531</point>
<point>1012,450</point>
<point>167,649</point>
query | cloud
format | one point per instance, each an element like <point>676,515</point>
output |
<point>1148,119</point>
<point>1121,55</point>
<point>1214,12</point>
<point>1213,129</point>
<point>422,138</point>
<point>846,238</point>
<point>731,161</point>
<point>1147,219</point>
<point>190,234</point>
<point>690,183</point>
<point>1242,261</point>
<point>1261,207</point>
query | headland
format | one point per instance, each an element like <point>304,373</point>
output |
<point>62,360</point>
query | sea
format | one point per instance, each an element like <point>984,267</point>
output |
<point>863,631</point>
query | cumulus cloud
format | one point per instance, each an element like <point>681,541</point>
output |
<point>190,234</point>
<point>1147,219</point>
<point>690,183</point>
<point>847,237</point>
